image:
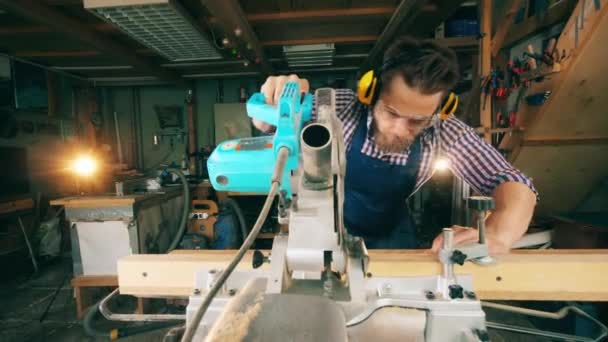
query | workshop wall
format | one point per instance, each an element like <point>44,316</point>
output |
<point>45,141</point>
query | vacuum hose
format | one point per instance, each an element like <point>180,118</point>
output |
<point>185,211</point>
<point>117,333</point>
<point>239,214</point>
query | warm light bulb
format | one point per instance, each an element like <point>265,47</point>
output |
<point>84,166</point>
<point>442,164</point>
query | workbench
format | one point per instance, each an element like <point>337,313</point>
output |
<point>105,228</point>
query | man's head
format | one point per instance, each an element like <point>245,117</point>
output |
<point>416,76</point>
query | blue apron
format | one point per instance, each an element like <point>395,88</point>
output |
<point>375,194</point>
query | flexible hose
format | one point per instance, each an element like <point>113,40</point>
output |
<point>560,314</point>
<point>275,183</point>
<point>239,214</point>
<point>117,333</point>
<point>183,221</point>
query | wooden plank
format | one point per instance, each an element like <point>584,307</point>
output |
<point>557,141</point>
<point>458,42</point>
<point>502,28</point>
<point>521,275</point>
<point>485,65</point>
<point>95,281</point>
<point>321,14</point>
<point>80,53</point>
<point>95,201</point>
<point>563,174</point>
<point>16,205</point>
<point>323,40</point>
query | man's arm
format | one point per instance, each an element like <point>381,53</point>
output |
<point>482,167</point>
<point>509,221</point>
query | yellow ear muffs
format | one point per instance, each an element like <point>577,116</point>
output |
<point>448,107</point>
<point>366,87</point>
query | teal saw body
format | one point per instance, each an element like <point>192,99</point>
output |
<point>246,164</point>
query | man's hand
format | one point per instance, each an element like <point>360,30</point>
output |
<point>272,89</point>
<point>465,235</point>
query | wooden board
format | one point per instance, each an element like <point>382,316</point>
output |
<point>16,205</point>
<point>522,275</point>
<point>563,175</point>
<point>96,201</point>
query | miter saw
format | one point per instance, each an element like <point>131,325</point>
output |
<point>316,287</point>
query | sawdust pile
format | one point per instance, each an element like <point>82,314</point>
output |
<point>237,324</point>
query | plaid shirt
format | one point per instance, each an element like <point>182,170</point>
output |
<point>471,158</point>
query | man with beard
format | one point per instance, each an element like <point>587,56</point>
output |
<point>395,127</point>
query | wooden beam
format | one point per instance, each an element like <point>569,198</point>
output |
<point>403,16</point>
<point>560,141</point>
<point>35,11</point>
<point>485,64</point>
<point>345,39</point>
<point>103,27</point>
<point>321,14</point>
<point>231,17</point>
<point>522,275</point>
<point>23,30</point>
<point>52,85</point>
<point>26,54</point>
<point>558,13</point>
<point>502,28</point>
<point>7,207</point>
<point>428,20</point>
<point>459,42</point>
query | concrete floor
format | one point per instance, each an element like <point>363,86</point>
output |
<point>23,301</point>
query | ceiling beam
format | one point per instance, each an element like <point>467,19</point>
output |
<point>320,14</point>
<point>231,17</point>
<point>30,54</point>
<point>427,21</point>
<point>24,29</point>
<point>404,14</point>
<point>503,26</point>
<point>54,18</point>
<point>63,2</point>
<point>10,30</point>
<point>345,39</point>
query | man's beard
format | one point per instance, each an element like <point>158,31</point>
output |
<point>391,145</point>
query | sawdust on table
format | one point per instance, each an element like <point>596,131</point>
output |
<point>237,324</point>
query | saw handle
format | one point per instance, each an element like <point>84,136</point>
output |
<point>259,110</point>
